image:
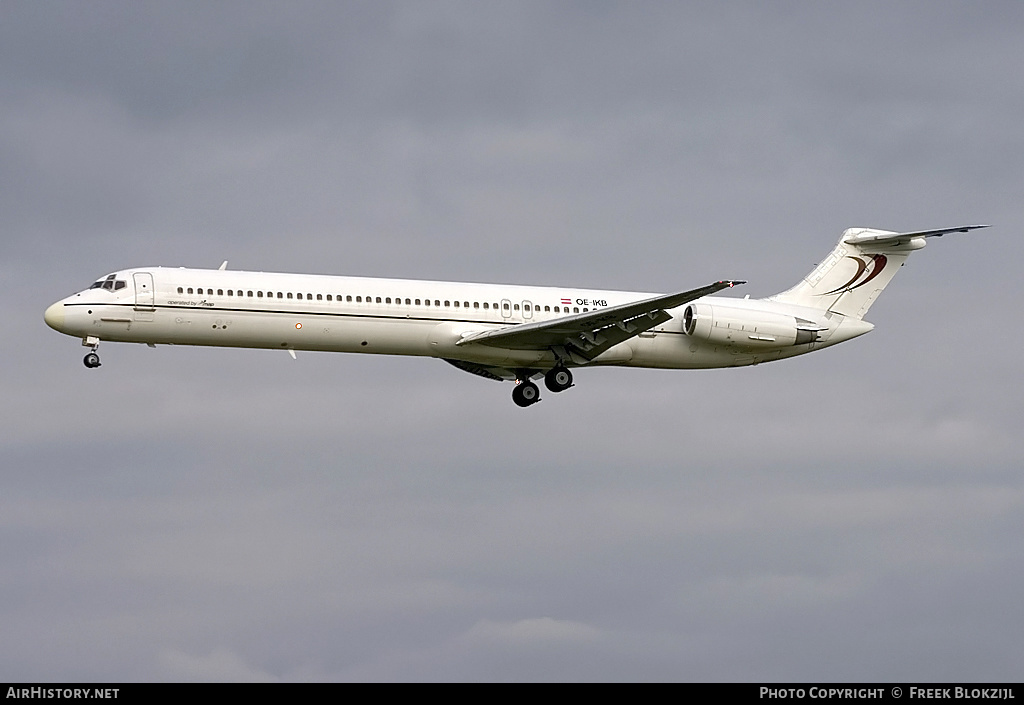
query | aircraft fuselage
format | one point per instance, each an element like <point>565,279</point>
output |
<point>227,308</point>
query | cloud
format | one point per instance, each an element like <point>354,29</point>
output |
<point>219,666</point>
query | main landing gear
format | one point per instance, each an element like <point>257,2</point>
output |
<point>91,359</point>
<point>527,393</point>
<point>558,379</point>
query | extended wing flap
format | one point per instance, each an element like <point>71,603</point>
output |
<point>589,345</point>
<point>591,333</point>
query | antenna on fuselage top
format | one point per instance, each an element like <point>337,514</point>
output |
<point>223,265</point>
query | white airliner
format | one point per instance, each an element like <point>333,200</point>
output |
<point>497,331</point>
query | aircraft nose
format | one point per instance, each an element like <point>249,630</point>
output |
<point>54,316</point>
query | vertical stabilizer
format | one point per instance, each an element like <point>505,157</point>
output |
<point>853,275</point>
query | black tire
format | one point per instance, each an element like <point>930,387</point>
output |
<point>558,379</point>
<point>526,394</point>
<point>91,360</point>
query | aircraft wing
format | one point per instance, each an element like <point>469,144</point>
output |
<point>584,336</point>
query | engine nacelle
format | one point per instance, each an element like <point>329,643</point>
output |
<point>742,327</point>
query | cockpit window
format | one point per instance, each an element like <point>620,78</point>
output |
<point>110,283</point>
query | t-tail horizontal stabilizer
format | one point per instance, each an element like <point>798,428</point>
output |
<point>879,237</point>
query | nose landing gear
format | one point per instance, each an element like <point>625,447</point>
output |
<point>91,359</point>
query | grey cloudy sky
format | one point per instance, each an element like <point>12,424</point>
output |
<point>193,514</point>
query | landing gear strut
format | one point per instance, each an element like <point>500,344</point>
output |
<point>526,393</point>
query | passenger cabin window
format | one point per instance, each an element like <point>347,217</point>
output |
<point>180,290</point>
